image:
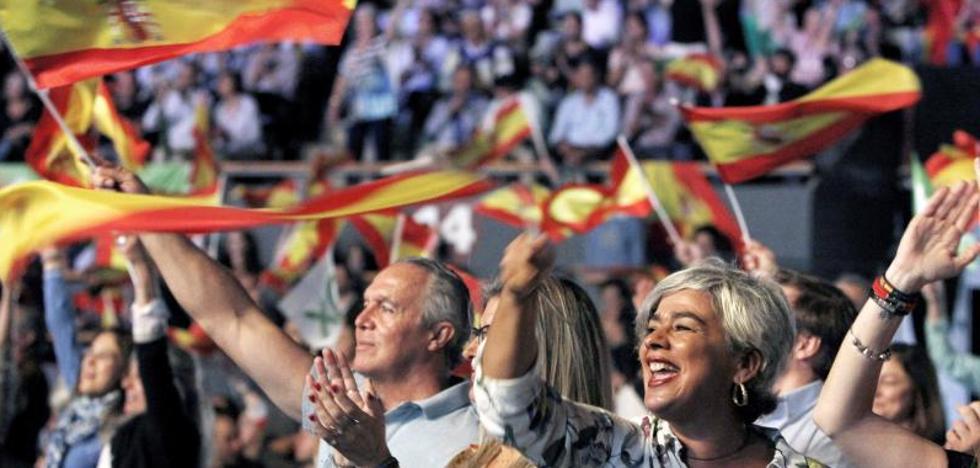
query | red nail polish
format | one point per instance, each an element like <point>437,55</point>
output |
<point>317,386</point>
<point>335,388</point>
<point>312,398</point>
<point>313,417</point>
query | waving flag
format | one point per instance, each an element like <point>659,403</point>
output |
<point>953,163</point>
<point>510,126</point>
<point>379,231</point>
<point>687,197</point>
<point>698,71</point>
<point>516,205</point>
<point>37,214</point>
<point>64,41</point>
<point>204,169</point>
<point>85,106</point>
<point>746,142</point>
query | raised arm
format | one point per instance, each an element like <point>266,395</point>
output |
<point>59,317</point>
<point>926,253</point>
<point>215,299</point>
<point>964,367</point>
<point>511,346</point>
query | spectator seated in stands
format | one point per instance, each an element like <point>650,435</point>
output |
<point>173,111</point>
<point>455,118</point>
<point>650,120</point>
<point>238,129</point>
<point>587,120</point>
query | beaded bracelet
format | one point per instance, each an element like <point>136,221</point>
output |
<point>868,352</point>
<point>892,301</point>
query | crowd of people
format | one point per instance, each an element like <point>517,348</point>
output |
<point>720,363</point>
<point>426,73</point>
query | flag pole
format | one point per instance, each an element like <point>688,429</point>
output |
<point>675,237</point>
<point>737,208</point>
<point>396,238</point>
<point>42,94</point>
<point>537,140</point>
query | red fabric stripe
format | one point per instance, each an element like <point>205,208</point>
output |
<point>319,21</point>
<point>793,109</point>
<point>691,178</point>
<point>756,165</point>
<point>374,240</point>
<point>936,163</point>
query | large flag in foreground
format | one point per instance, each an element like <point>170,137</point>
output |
<point>63,41</point>
<point>37,214</point>
<point>746,142</point>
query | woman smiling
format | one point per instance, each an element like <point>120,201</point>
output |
<point>713,341</point>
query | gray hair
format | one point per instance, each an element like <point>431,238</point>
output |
<point>445,299</point>
<point>753,312</point>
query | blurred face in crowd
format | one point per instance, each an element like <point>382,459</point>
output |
<point>685,356</point>
<point>226,88</point>
<point>14,86</point>
<point>364,25</point>
<point>636,31</point>
<point>427,23</point>
<point>102,366</point>
<point>472,27</point>
<point>135,402</point>
<point>571,28</point>
<point>780,65</point>
<point>584,77</point>
<point>186,78</point>
<point>17,108</point>
<point>389,333</point>
<point>462,81</point>
<point>225,439</point>
<point>895,394</point>
<point>706,243</point>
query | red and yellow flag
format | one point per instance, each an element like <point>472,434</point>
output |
<point>687,197</point>
<point>67,41</point>
<point>305,244</point>
<point>746,142</point>
<point>88,110</point>
<point>953,163</point>
<point>38,214</point>
<point>379,231</point>
<point>204,169</point>
<point>698,71</point>
<point>511,126</point>
<point>516,205</point>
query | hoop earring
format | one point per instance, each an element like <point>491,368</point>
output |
<point>740,395</point>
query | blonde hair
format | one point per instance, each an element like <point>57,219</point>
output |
<point>754,314</point>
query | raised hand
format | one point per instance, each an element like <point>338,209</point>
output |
<point>526,263</point>
<point>759,260</point>
<point>965,435</point>
<point>351,421</point>
<point>927,251</point>
<point>117,178</point>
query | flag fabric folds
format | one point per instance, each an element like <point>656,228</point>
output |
<point>698,71</point>
<point>686,195</point>
<point>64,41</point>
<point>510,126</point>
<point>85,106</point>
<point>379,231</point>
<point>953,163</point>
<point>746,142</point>
<point>516,205</point>
<point>38,214</point>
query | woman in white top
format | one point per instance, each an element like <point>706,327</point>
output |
<point>238,124</point>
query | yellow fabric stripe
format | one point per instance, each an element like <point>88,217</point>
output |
<point>732,140</point>
<point>876,76</point>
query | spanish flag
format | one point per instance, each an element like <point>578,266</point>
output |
<point>686,195</point>
<point>698,71</point>
<point>204,169</point>
<point>379,231</point>
<point>282,194</point>
<point>67,41</point>
<point>746,142</point>
<point>953,163</point>
<point>510,126</point>
<point>85,106</point>
<point>516,205</point>
<point>305,243</point>
<point>37,214</point>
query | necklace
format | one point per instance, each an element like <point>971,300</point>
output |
<point>745,442</point>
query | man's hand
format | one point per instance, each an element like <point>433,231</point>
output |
<point>118,179</point>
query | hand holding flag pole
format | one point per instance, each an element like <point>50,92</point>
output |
<point>42,94</point>
<point>675,237</point>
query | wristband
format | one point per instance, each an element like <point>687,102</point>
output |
<point>890,299</point>
<point>868,352</point>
